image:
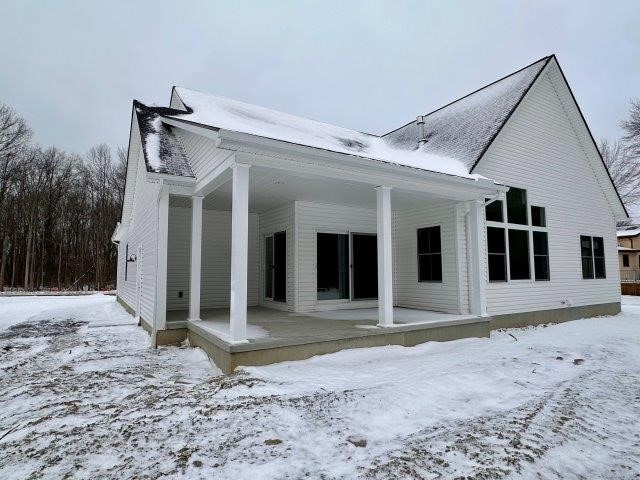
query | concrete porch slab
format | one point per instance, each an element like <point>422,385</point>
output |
<point>275,335</point>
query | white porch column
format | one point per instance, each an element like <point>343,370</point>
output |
<point>477,251</point>
<point>196,257</point>
<point>160,322</point>
<point>239,251</point>
<point>385,266</point>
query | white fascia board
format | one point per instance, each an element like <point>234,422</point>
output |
<point>209,132</point>
<point>171,180</point>
<point>283,155</point>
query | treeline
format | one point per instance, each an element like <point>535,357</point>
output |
<point>57,212</point>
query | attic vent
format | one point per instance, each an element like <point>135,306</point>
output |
<point>420,123</point>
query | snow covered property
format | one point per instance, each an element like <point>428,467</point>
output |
<point>83,396</point>
<point>263,237</point>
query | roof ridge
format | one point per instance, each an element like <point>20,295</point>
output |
<point>266,108</point>
<point>546,59</point>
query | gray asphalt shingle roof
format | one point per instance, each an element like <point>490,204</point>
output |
<point>163,152</point>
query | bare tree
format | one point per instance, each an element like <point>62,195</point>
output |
<point>631,127</point>
<point>57,211</point>
<point>624,170</point>
<point>14,135</point>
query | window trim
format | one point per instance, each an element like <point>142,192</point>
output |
<point>348,233</point>
<point>418,228</point>
<point>516,226</point>
<point>505,254</point>
<point>593,258</point>
<point>625,260</point>
<point>548,256</point>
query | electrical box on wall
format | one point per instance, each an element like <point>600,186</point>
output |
<point>180,294</point>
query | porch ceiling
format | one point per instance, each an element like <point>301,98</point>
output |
<point>271,188</point>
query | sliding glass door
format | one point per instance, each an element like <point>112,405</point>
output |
<point>275,268</point>
<point>364,266</point>
<point>346,266</point>
<point>333,266</point>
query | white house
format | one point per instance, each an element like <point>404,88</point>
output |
<point>262,236</point>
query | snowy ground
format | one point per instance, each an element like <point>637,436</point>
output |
<point>82,396</point>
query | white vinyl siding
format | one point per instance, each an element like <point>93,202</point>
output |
<point>142,230</point>
<point>201,151</point>
<point>273,221</point>
<point>216,259</point>
<point>539,150</point>
<point>408,292</point>
<point>318,217</point>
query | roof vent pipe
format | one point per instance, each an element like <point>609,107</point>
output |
<point>420,124</point>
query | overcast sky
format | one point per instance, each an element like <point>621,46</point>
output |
<point>72,68</point>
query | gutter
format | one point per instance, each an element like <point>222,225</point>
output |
<point>232,140</point>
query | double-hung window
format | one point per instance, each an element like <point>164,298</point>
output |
<point>517,240</point>
<point>429,255</point>
<point>592,253</point>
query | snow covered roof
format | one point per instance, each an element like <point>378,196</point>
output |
<point>163,152</point>
<point>627,249</point>
<point>457,134</point>
<point>630,232</point>
<point>465,128</point>
<point>222,113</point>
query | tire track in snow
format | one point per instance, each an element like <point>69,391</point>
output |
<point>515,443</point>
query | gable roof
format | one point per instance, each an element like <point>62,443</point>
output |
<point>163,152</point>
<point>225,114</point>
<point>466,127</point>
<point>457,135</point>
<point>592,140</point>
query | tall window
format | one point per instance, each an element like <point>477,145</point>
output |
<point>497,248</point>
<point>517,206</point>
<point>541,255</point>
<point>519,254</point>
<point>625,260</point>
<point>592,253</point>
<point>126,263</point>
<point>429,255</point>
<point>517,244</point>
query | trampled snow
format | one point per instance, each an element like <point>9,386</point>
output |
<point>82,399</point>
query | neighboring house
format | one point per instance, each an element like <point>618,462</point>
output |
<point>262,236</point>
<point>629,254</point>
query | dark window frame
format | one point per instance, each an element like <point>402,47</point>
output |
<point>501,254</point>
<point>126,263</point>
<point>430,254</point>
<point>513,209</point>
<point>591,261</point>
<point>543,216</point>
<point>514,268</point>
<point>343,260</point>
<point>625,259</point>
<point>507,225</point>
<point>541,256</point>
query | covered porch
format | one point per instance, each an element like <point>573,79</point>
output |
<point>255,272</point>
